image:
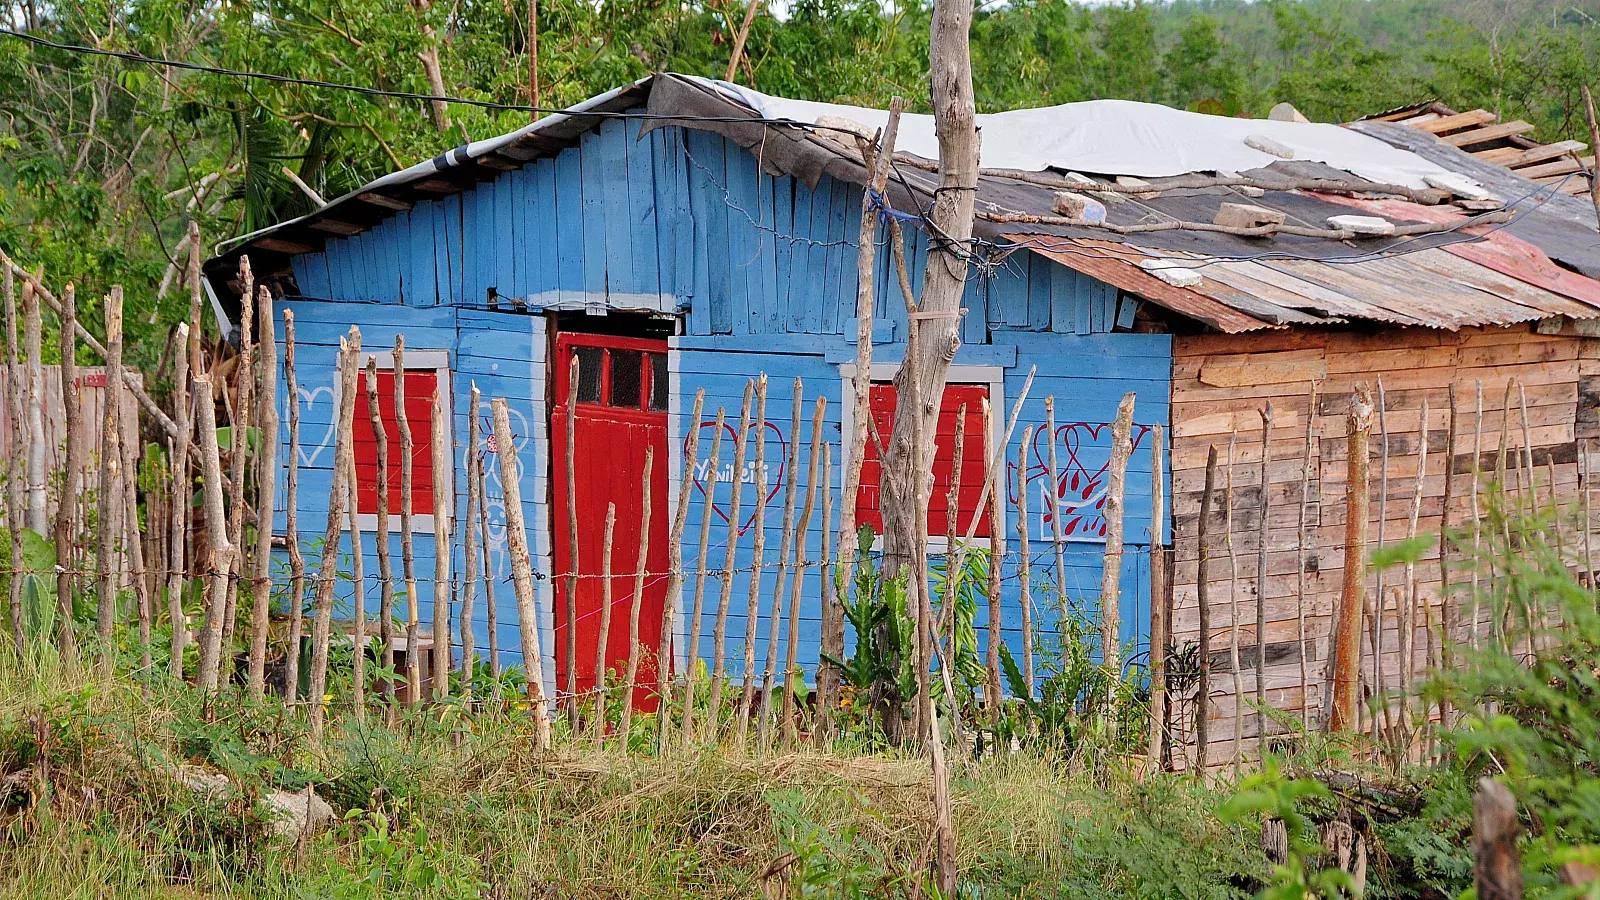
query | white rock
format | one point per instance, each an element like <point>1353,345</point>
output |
<point>1080,207</point>
<point>1372,225</point>
<point>1459,185</point>
<point>1285,112</point>
<point>296,813</point>
<point>1268,145</point>
<point>1175,275</point>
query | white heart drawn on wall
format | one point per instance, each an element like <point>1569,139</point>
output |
<point>308,400</point>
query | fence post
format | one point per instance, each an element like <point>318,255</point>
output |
<point>1496,863</point>
<point>1358,499</point>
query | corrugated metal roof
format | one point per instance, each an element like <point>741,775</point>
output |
<point>1481,275</point>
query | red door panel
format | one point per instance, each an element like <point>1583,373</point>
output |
<point>868,499</point>
<point>621,411</point>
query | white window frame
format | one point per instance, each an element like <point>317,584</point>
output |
<point>884,373</point>
<point>437,362</point>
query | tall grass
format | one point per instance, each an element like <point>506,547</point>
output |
<point>451,807</point>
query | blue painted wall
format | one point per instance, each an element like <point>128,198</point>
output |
<point>762,270</point>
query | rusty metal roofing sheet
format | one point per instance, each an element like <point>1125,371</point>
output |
<point>1498,250</point>
<point>1117,265</point>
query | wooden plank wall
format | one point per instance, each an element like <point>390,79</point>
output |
<point>676,220</point>
<point>92,392</point>
<point>1221,382</point>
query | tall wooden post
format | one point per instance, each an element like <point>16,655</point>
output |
<point>443,460</point>
<point>785,545</point>
<point>291,519</point>
<point>328,570</point>
<point>719,632</point>
<point>758,561</point>
<point>216,519</point>
<point>521,569</point>
<point>266,489</point>
<point>792,635</point>
<point>692,651</point>
<point>1111,570</point>
<point>1025,558</point>
<point>469,551</point>
<point>1159,624</point>
<point>66,534</point>
<point>33,343</point>
<point>993,689</point>
<point>16,501</point>
<point>408,558</point>
<point>680,517</point>
<point>1263,515</point>
<point>239,464</point>
<point>630,680</point>
<point>1202,714</point>
<point>571,673</point>
<point>110,487</point>
<point>380,440</point>
<point>1358,498</point>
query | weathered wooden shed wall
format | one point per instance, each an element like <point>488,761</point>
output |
<point>762,270</point>
<point>1220,383</point>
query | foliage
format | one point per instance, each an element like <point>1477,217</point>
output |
<point>102,161</point>
<point>1272,796</point>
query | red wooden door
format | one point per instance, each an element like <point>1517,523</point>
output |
<point>621,400</point>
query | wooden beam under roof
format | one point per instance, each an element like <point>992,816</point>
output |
<point>335,226</point>
<point>279,245</point>
<point>385,201</point>
<point>1517,157</point>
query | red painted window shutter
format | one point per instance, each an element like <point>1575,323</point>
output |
<point>419,414</point>
<point>868,500</point>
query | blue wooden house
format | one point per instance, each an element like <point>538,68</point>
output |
<point>679,235</point>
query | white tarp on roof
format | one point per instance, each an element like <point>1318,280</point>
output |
<point>1122,137</point>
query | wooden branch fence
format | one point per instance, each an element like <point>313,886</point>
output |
<point>207,568</point>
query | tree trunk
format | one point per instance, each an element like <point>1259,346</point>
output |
<point>1497,864</point>
<point>244,390</point>
<point>927,364</point>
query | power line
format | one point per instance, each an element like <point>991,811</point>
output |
<point>380,92</point>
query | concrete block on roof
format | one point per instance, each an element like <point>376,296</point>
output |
<point>1369,225</point>
<point>1246,215</point>
<point>1078,206</point>
<point>1129,181</point>
<point>1268,145</point>
<point>1459,185</point>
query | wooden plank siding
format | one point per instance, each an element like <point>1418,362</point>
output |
<point>1221,382</point>
<point>760,269</point>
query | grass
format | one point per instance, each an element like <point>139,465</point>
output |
<point>464,807</point>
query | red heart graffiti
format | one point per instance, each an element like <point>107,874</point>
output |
<point>1082,491</point>
<point>732,435</point>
